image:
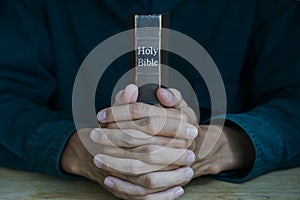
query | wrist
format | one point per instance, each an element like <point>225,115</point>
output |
<point>240,148</point>
<point>220,149</point>
<point>70,158</point>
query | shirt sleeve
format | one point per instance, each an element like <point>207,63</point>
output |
<point>273,94</point>
<point>32,136</point>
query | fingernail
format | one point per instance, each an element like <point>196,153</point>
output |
<point>189,174</point>
<point>108,183</point>
<point>94,135</point>
<point>179,192</point>
<point>192,132</point>
<point>165,93</point>
<point>191,158</point>
<point>101,116</point>
<point>98,161</point>
<point>168,93</point>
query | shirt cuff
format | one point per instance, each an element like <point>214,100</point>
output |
<point>265,141</point>
<point>46,147</point>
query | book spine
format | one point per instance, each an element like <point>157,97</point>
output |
<point>148,56</point>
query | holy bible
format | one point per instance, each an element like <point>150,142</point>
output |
<point>148,56</point>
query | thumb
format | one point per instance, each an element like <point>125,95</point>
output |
<point>130,94</point>
<point>126,96</point>
<point>170,98</point>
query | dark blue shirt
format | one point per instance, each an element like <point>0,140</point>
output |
<point>255,45</point>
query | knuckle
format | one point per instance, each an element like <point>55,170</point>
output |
<point>126,153</point>
<point>109,113</point>
<point>121,189</point>
<point>184,117</point>
<point>127,140</point>
<point>191,115</point>
<point>150,154</point>
<point>138,109</point>
<point>176,94</point>
<point>154,126</point>
<point>135,111</point>
<point>151,158</point>
<point>204,170</point>
<point>179,143</point>
<point>215,169</point>
<point>145,122</point>
<point>150,148</point>
<point>135,168</point>
<point>175,129</point>
<point>150,181</point>
<point>131,168</point>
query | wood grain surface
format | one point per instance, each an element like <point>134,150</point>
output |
<point>19,185</point>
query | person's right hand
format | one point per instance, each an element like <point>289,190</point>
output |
<point>144,172</point>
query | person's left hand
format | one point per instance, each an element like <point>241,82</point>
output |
<point>206,151</point>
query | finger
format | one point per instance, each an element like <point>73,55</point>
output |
<point>118,98</point>
<point>130,94</point>
<point>170,98</point>
<point>124,165</point>
<point>192,118</point>
<point>158,126</point>
<point>127,96</point>
<point>160,180</point>
<point>161,155</point>
<point>133,138</point>
<point>153,154</point>
<point>172,193</point>
<point>138,111</point>
<point>128,190</point>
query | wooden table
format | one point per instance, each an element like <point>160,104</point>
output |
<point>19,185</point>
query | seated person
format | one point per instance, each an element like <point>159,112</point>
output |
<point>255,45</point>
